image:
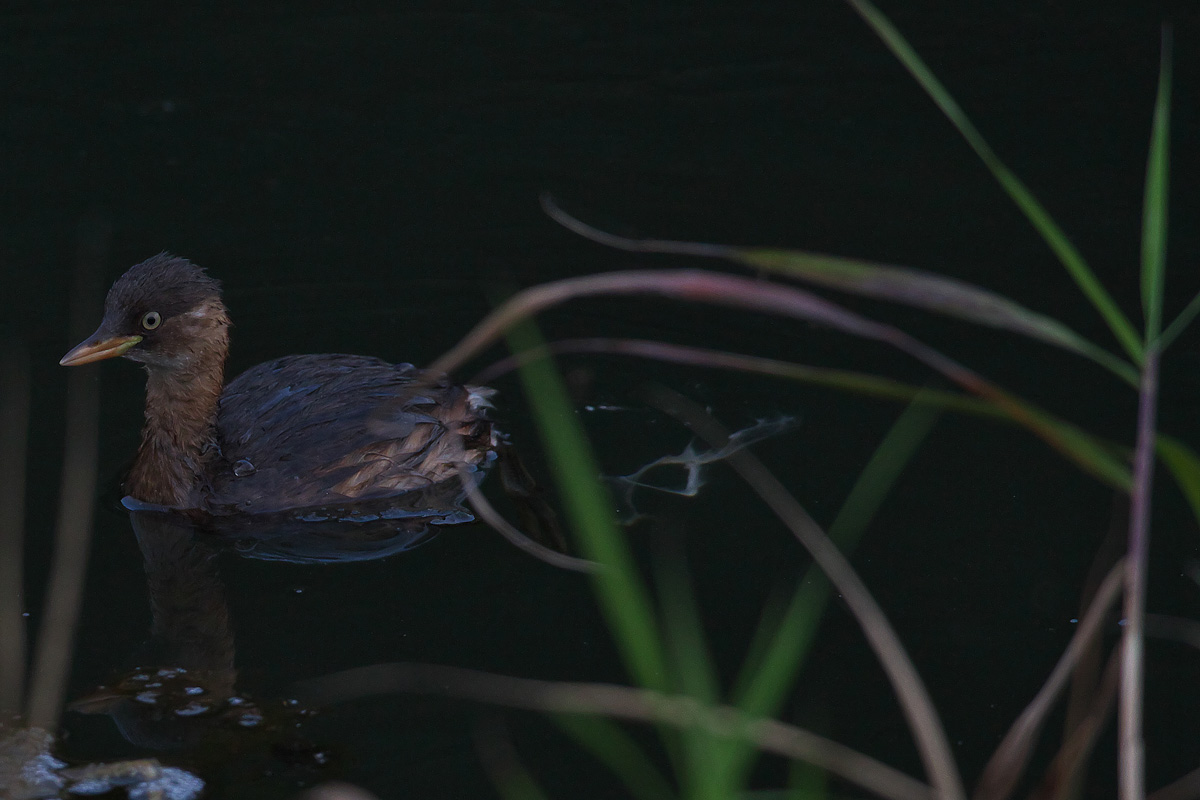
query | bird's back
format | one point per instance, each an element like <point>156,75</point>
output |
<point>316,430</point>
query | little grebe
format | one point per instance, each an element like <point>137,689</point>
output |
<point>296,432</point>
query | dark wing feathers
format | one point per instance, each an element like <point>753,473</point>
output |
<point>315,430</point>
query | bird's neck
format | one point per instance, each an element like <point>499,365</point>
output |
<point>179,440</point>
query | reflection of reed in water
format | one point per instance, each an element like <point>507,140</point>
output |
<point>27,767</point>
<point>183,694</point>
<point>14,414</point>
<point>73,530</point>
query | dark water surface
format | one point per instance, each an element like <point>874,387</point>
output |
<point>365,180</point>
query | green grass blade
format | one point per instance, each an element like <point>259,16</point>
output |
<point>933,293</point>
<point>519,784</point>
<point>806,782</point>
<point>764,683</point>
<point>1180,323</point>
<point>614,748</point>
<point>1184,465</point>
<point>691,664</point>
<point>768,674</point>
<point>512,780</point>
<point>1154,207</point>
<point>591,513</point>
<point>694,675</point>
<point>783,627</point>
<point>1041,220</point>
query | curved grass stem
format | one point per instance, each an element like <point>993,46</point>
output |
<point>618,702</point>
<point>1132,781</point>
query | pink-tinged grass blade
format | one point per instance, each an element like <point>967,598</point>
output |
<point>895,284</point>
<point>844,380</point>
<point>1007,764</point>
<point>1130,711</point>
<point>788,301</point>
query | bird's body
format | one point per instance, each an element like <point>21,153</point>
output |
<point>335,427</point>
<point>293,433</point>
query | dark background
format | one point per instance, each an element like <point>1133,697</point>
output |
<point>365,178</point>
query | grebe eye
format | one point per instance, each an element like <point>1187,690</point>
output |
<point>151,320</point>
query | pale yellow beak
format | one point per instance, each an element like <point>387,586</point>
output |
<point>98,347</point>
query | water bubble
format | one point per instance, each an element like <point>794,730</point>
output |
<point>191,709</point>
<point>242,468</point>
<point>250,719</point>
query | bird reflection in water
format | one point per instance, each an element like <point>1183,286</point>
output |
<point>183,694</point>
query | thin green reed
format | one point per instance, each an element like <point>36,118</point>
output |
<point>1033,210</point>
<point>1155,203</point>
<point>682,664</point>
<point>591,513</point>
<point>714,766</point>
<point>618,751</point>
